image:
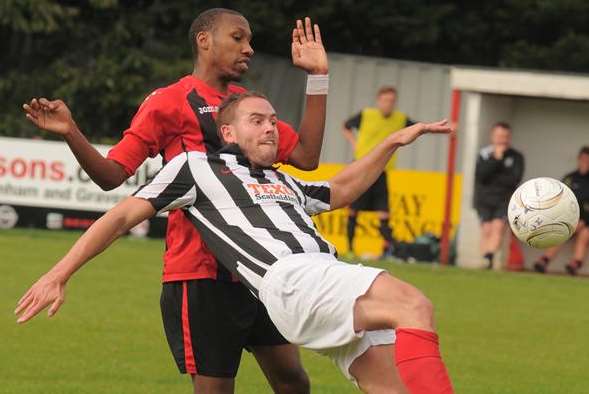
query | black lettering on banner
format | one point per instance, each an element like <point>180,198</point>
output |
<point>58,194</point>
<point>362,229</point>
<point>411,228</point>
<point>403,206</point>
<point>342,223</point>
<point>373,228</point>
<point>419,200</point>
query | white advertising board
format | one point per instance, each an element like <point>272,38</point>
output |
<point>41,173</point>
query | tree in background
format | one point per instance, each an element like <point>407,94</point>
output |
<point>104,56</point>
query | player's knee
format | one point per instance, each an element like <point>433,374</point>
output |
<point>295,381</point>
<point>212,385</point>
<point>421,309</point>
<point>424,309</point>
<point>418,310</point>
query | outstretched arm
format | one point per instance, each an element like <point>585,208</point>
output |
<point>55,117</point>
<point>50,288</point>
<point>357,177</point>
<point>309,54</point>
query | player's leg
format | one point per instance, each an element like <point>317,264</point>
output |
<point>204,320</point>
<point>323,304</point>
<point>351,229</point>
<point>375,371</point>
<point>210,385</point>
<point>541,264</point>
<point>495,230</point>
<point>363,203</point>
<point>497,233</point>
<point>391,303</point>
<point>380,203</point>
<point>485,217</point>
<point>279,360</point>
<point>580,248</point>
<point>282,367</point>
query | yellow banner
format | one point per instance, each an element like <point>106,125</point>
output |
<point>416,201</point>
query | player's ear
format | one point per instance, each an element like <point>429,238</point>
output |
<point>228,134</point>
<point>203,40</point>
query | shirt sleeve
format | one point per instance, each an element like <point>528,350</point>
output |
<point>354,121</point>
<point>173,187</point>
<point>317,196</point>
<point>288,139</point>
<point>147,134</point>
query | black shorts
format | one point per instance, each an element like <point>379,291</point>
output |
<point>488,212</point>
<point>376,198</point>
<point>208,323</point>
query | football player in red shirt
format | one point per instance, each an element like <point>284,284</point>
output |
<point>208,316</point>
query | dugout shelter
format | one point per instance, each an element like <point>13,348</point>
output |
<point>549,114</point>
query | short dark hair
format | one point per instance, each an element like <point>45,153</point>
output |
<point>502,124</point>
<point>206,21</point>
<point>584,150</point>
<point>386,89</point>
<point>227,108</point>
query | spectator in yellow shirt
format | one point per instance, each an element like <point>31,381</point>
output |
<point>373,125</point>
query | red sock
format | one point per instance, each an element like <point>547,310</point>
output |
<point>418,359</point>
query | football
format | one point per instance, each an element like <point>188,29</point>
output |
<point>543,212</point>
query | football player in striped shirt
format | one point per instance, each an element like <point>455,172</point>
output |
<point>257,221</point>
<point>200,297</point>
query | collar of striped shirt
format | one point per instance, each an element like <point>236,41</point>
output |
<point>234,149</point>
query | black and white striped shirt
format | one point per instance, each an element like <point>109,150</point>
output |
<point>249,218</point>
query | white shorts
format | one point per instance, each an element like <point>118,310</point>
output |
<point>310,298</point>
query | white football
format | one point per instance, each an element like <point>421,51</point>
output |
<point>543,212</point>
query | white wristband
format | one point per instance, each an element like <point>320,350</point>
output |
<point>317,84</point>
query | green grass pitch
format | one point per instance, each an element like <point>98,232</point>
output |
<point>500,332</point>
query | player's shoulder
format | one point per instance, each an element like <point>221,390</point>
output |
<point>281,172</point>
<point>400,114</point>
<point>186,157</point>
<point>290,179</point>
<point>166,94</point>
<point>197,157</point>
<point>370,111</point>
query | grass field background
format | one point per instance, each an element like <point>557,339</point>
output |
<point>500,332</point>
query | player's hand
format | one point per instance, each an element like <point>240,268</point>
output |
<point>53,116</point>
<point>308,52</point>
<point>48,290</point>
<point>499,151</point>
<point>410,134</point>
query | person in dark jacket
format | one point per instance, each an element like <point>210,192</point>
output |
<point>578,181</point>
<point>499,170</point>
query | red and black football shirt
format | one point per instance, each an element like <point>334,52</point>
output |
<point>171,120</point>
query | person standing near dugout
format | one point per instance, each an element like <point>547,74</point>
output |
<point>373,126</point>
<point>578,181</point>
<point>499,170</point>
<point>209,317</point>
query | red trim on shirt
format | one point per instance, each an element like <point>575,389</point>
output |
<point>189,362</point>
